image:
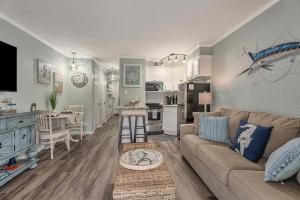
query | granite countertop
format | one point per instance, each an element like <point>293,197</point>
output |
<point>132,108</point>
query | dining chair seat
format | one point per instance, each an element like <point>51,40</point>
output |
<point>56,133</point>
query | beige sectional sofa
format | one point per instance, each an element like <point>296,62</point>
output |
<point>231,176</point>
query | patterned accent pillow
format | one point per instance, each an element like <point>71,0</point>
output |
<point>214,129</point>
<point>283,162</point>
<point>251,140</point>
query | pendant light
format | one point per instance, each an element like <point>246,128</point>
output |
<point>112,76</point>
<point>73,66</point>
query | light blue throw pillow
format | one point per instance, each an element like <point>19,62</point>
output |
<point>214,129</point>
<point>284,162</point>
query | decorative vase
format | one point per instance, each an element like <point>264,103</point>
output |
<point>32,154</point>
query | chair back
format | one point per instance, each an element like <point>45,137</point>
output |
<point>44,122</point>
<point>76,108</point>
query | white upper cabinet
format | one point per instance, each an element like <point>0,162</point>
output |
<point>199,66</point>
<point>170,76</point>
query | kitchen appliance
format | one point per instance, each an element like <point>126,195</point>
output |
<point>154,122</point>
<point>190,93</point>
<point>170,100</point>
<point>154,86</point>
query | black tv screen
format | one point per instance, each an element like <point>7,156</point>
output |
<point>8,64</point>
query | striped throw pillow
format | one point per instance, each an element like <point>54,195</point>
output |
<point>214,129</point>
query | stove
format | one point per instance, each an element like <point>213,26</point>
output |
<point>154,122</point>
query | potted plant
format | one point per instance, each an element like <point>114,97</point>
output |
<point>53,100</point>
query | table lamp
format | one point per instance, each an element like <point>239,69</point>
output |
<point>205,99</point>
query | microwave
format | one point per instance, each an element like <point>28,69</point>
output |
<point>154,86</point>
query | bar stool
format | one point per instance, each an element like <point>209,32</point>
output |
<point>125,136</point>
<point>143,126</point>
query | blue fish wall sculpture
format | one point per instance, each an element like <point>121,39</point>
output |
<point>264,59</point>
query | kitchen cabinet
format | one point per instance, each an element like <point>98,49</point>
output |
<point>170,76</point>
<point>172,117</point>
<point>199,66</point>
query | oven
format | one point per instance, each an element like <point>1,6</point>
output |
<point>154,86</point>
<point>154,122</point>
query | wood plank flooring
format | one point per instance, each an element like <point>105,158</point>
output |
<point>88,170</point>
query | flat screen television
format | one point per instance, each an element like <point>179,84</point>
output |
<point>8,66</point>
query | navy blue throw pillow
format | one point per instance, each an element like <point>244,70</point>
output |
<point>251,140</point>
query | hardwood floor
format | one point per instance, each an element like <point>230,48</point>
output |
<point>87,171</point>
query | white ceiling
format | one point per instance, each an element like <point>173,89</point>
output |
<point>109,29</point>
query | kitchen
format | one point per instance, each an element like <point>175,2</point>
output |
<point>170,90</point>
<point>172,93</point>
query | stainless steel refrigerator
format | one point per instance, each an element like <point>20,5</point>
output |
<point>188,96</point>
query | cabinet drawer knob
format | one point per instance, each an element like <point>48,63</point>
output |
<point>21,121</point>
<point>23,137</point>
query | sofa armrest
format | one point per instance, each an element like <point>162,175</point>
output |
<point>186,129</point>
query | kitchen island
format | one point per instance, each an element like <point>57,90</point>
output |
<point>132,111</point>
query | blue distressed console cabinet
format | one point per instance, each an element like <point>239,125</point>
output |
<point>17,136</point>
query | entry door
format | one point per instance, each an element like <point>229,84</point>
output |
<point>97,100</point>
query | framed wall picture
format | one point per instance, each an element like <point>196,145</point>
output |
<point>58,83</point>
<point>44,72</point>
<point>132,75</point>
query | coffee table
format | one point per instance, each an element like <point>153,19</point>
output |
<point>153,184</point>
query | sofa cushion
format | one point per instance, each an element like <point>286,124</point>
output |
<point>191,141</point>
<point>234,121</point>
<point>214,129</point>
<point>196,116</point>
<point>220,161</point>
<point>284,129</point>
<point>251,140</point>
<point>249,185</point>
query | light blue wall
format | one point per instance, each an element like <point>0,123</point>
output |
<point>132,92</point>
<point>83,95</point>
<point>250,93</point>
<point>29,50</point>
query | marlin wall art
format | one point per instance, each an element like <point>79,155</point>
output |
<point>264,59</point>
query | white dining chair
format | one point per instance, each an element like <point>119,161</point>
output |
<point>77,122</point>
<point>48,135</point>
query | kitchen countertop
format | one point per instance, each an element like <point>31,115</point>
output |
<point>132,108</point>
